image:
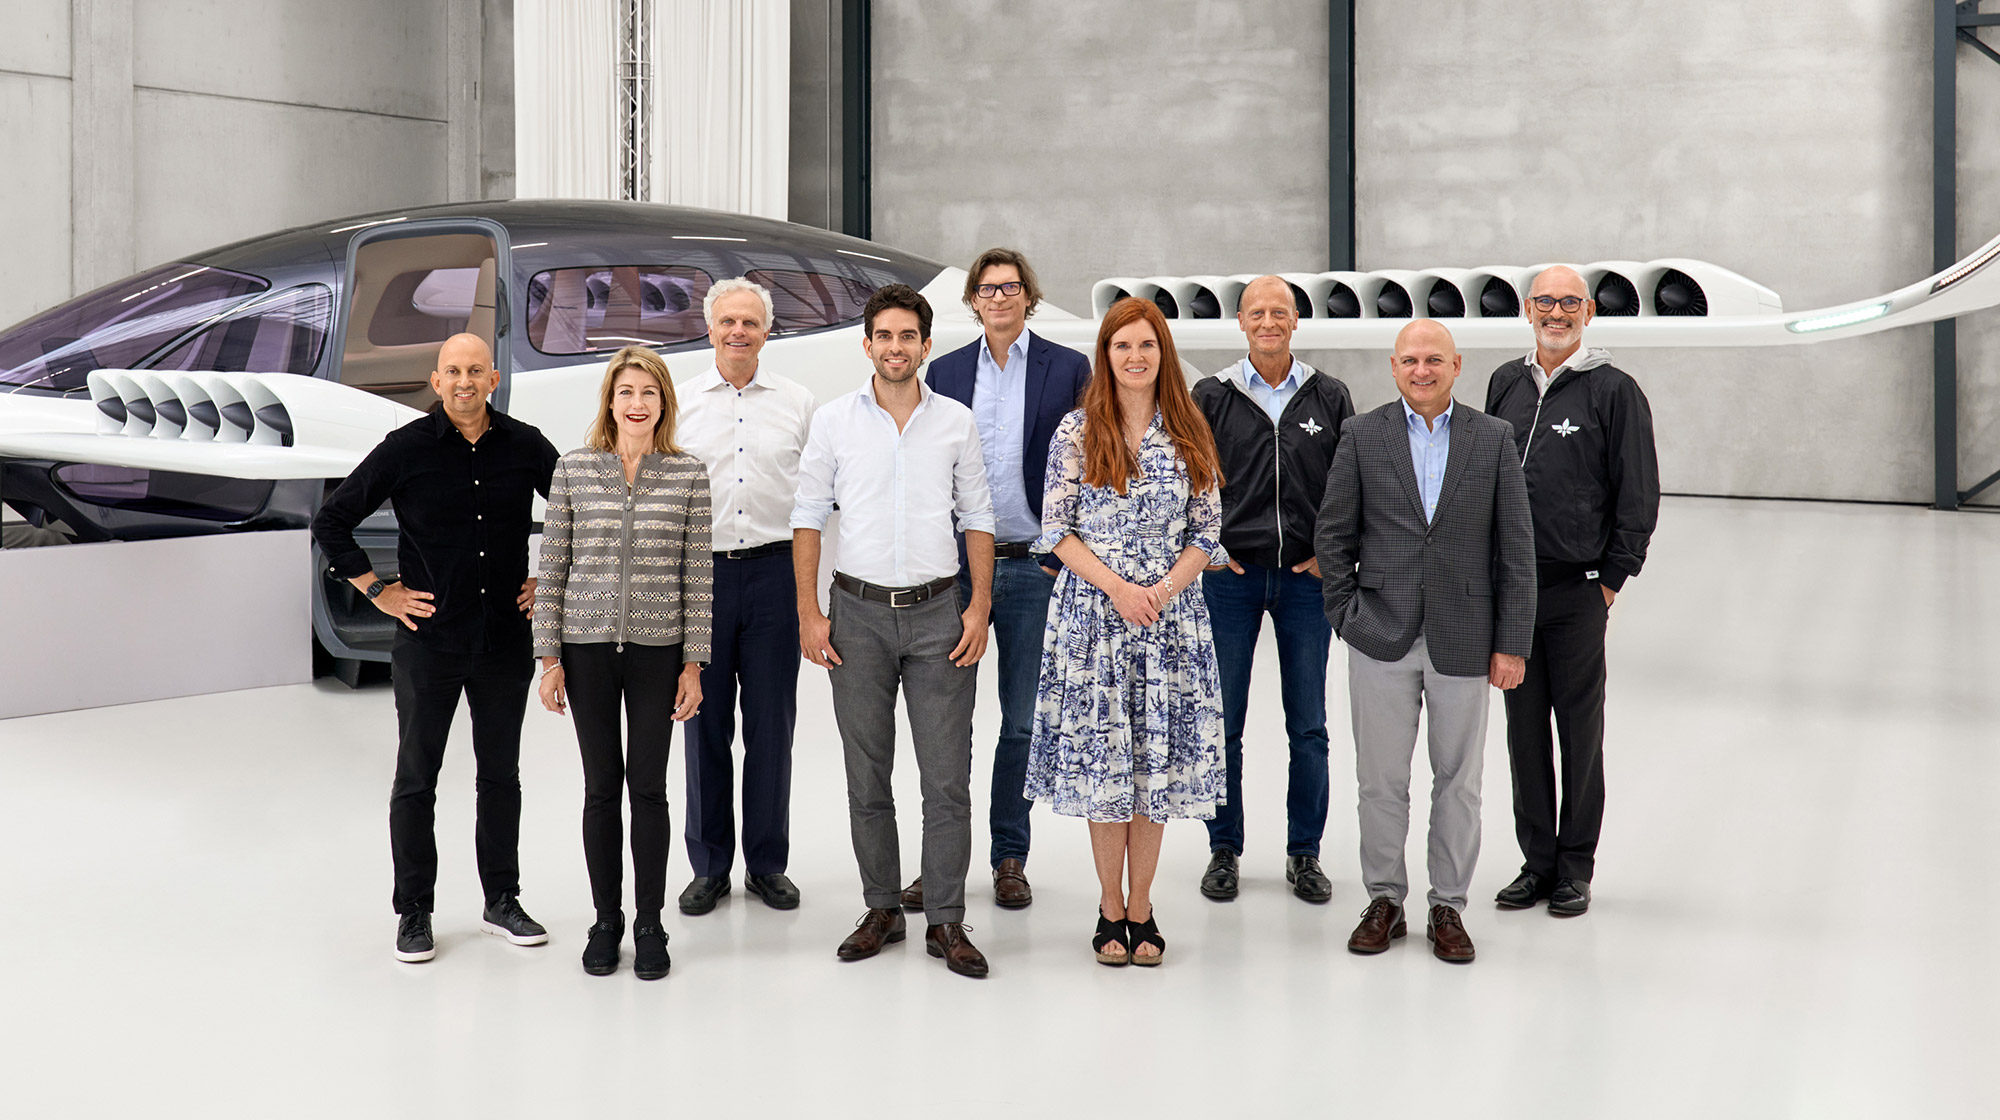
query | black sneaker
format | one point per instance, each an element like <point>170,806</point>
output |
<point>505,918</point>
<point>600,952</point>
<point>649,951</point>
<point>413,938</point>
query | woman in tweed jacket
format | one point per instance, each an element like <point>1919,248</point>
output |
<point>622,617</point>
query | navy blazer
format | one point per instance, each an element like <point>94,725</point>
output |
<point>1056,377</point>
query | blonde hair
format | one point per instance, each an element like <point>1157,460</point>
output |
<point>604,430</point>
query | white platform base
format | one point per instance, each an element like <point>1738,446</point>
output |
<point>91,625</point>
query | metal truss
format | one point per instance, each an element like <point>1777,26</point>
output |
<point>633,171</point>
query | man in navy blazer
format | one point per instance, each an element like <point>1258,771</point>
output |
<point>1019,388</point>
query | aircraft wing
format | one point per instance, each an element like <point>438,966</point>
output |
<point>235,425</point>
<point>1663,303</point>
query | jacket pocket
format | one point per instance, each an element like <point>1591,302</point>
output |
<point>1372,579</point>
<point>1479,588</point>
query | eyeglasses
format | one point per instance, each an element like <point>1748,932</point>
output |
<point>988,291</point>
<point>1548,303</point>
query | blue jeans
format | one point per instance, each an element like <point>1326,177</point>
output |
<point>1236,608</point>
<point>1021,591</point>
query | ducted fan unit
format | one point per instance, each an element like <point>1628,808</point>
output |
<point>1445,301</point>
<point>1616,296</point>
<point>1677,293</point>
<point>1302,304</point>
<point>1499,300</point>
<point>1164,300</point>
<point>1342,303</point>
<point>1392,302</point>
<point>1204,304</point>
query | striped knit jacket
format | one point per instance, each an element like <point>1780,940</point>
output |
<point>626,565</point>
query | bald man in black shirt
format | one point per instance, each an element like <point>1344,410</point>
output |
<point>462,481</point>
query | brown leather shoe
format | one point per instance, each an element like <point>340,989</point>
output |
<point>913,895</point>
<point>948,941</point>
<point>1380,924</point>
<point>875,929</point>
<point>1447,936</point>
<point>1010,885</point>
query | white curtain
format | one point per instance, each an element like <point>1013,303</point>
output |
<point>565,98</point>
<point>722,104</point>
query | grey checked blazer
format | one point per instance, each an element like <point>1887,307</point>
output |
<point>1467,579</point>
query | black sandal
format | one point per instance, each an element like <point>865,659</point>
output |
<point>1145,933</point>
<point>1111,933</point>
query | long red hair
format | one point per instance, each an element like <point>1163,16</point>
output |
<point>1107,461</point>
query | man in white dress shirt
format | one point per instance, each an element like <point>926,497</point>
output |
<point>748,426</point>
<point>902,463</point>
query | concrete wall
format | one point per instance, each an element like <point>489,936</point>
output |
<point>815,134</point>
<point>1786,140</point>
<point>135,132</point>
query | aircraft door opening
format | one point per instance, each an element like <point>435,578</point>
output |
<point>410,289</point>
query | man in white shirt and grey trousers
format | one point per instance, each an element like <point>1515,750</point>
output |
<point>902,463</point>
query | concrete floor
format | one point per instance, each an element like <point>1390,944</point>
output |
<point>1792,901</point>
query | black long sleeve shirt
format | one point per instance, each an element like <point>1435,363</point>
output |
<point>464,511</point>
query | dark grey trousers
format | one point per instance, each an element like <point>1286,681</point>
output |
<point>881,647</point>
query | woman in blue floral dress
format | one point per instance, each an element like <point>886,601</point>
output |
<point>1128,711</point>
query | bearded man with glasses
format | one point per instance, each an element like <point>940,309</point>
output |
<point>1019,387</point>
<point>1585,434</point>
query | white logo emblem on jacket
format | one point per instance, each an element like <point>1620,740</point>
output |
<point>1565,429</point>
<point>1311,427</point>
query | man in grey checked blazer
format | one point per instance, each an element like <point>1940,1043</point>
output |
<point>1427,557</point>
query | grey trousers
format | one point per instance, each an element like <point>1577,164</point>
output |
<point>1386,697</point>
<point>880,647</point>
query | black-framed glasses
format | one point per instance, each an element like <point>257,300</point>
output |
<point>1571,304</point>
<point>988,291</point>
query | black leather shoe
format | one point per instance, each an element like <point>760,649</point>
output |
<point>414,943</point>
<point>1527,889</point>
<point>1307,880</point>
<point>505,918</point>
<point>600,951</point>
<point>703,892</point>
<point>1219,881</point>
<point>1571,897</point>
<point>776,890</point>
<point>649,951</point>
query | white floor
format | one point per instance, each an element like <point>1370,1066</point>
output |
<point>1793,916</point>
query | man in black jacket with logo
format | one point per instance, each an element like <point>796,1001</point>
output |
<point>1276,423</point>
<point>1585,434</point>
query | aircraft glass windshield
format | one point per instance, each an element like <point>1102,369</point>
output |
<point>117,326</point>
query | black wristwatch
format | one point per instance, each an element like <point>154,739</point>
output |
<point>375,589</point>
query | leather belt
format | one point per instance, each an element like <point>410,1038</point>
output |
<point>897,597</point>
<point>1012,550</point>
<point>772,549</point>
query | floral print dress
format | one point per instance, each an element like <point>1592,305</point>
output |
<point>1128,719</point>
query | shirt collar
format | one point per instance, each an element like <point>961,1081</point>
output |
<point>1443,420</point>
<point>713,379</point>
<point>1293,377</point>
<point>867,392</point>
<point>441,425</point>
<point>1015,349</point>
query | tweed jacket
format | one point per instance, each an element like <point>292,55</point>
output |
<point>626,564</point>
<point>1466,580</point>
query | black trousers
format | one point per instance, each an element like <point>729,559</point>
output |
<point>597,675</point>
<point>427,685</point>
<point>1565,680</point>
<point>753,663</point>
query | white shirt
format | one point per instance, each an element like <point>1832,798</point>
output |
<point>750,439</point>
<point>898,491</point>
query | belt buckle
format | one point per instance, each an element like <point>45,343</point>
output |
<point>895,597</point>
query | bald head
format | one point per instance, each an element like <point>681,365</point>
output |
<point>1425,366</point>
<point>1426,333</point>
<point>1558,329</point>
<point>464,378</point>
<point>1268,316</point>
<point>463,350</point>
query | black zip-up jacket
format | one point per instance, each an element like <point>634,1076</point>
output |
<point>1273,475</point>
<point>1593,477</point>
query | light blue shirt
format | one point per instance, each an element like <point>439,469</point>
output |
<point>1273,400</point>
<point>1000,405</point>
<point>1430,447</point>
